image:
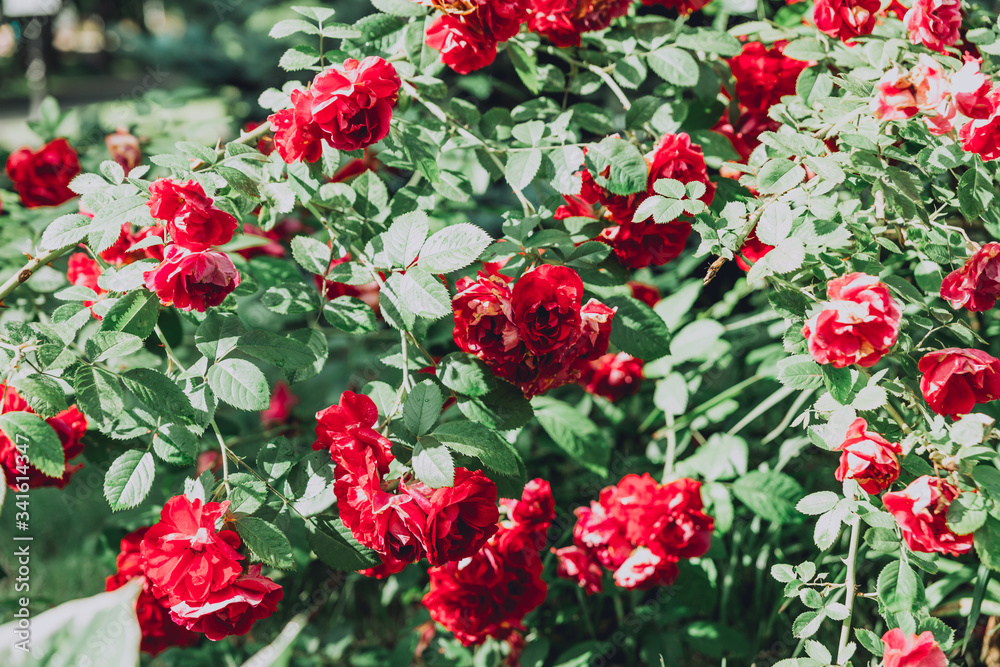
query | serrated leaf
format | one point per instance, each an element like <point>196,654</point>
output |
<point>637,329</point>
<point>422,407</point>
<point>432,463</point>
<point>65,231</point>
<point>129,479</point>
<point>265,542</point>
<point>521,168</point>
<point>674,65</point>
<point>218,334</point>
<point>158,392</point>
<point>403,240</point>
<point>573,432</point>
<point>351,315</point>
<point>275,349</point>
<point>36,440</point>
<point>106,344</point>
<point>333,543</point>
<point>618,166</point>
<point>453,248</point>
<point>312,254</point>
<point>240,384</point>
<point>476,440</point>
<point>466,374</point>
<point>135,313</point>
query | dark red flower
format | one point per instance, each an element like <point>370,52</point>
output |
<point>297,136</point>
<point>764,75</point>
<point>159,631</point>
<point>546,306</point>
<point>846,19</point>
<point>641,244</point>
<point>484,323</point>
<point>868,458</point>
<point>353,102</point>
<point>563,21</point>
<point>578,564</point>
<point>42,177</point>
<point>535,510</point>
<point>613,376</point>
<point>70,426</point>
<point>920,510</point>
<point>468,33</point>
<point>191,280</point>
<point>955,380</point>
<point>231,610</point>
<point>185,558</point>
<point>279,411</point>
<point>346,430</point>
<point>648,294</point>
<point>191,218</point>
<point>683,7</point>
<point>976,285</point>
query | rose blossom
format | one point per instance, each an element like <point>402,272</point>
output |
<point>982,135</point>
<point>905,650</point>
<point>934,23</point>
<point>124,149</point>
<point>193,221</point>
<point>976,285</point>
<point>920,510</point>
<point>352,103</point>
<point>186,559</point>
<point>683,7</point>
<point>955,380</point>
<point>613,376</point>
<point>846,19</point>
<point>648,294</point>
<point>70,426</point>
<point>764,75</point>
<point>901,95</point>
<point>297,137</point>
<point>753,249</point>
<point>858,325</point>
<point>546,308</point>
<point>231,610</point>
<point>191,280</point>
<point>467,36</point>
<point>563,21</point>
<point>279,410</point>
<point>577,564</point>
<point>42,177</point>
<point>868,458</point>
<point>970,90</point>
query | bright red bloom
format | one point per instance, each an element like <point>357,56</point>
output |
<point>467,35</point>
<point>934,23</point>
<point>902,650</point>
<point>613,376</point>
<point>83,270</point>
<point>546,308</point>
<point>231,610</point>
<point>159,631</point>
<point>868,458</point>
<point>976,285</point>
<point>648,294</point>
<point>297,136</point>
<point>641,244</point>
<point>846,19</point>
<point>279,411</point>
<point>346,430</point>
<point>858,325</point>
<point>186,559</point>
<point>191,280</point>
<point>683,7</point>
<point>576,563</point>
<point>955,380</point>
<point>124,149</point>
<point>970,90</point>
<point>563,21</point>
<point>42,177</point>
<point>920,510</point>
<point>460,518</point>
<point>70,426</point>
<point>193,221</point>
<point>484,322</point>
<point>982,135</point>
<point>534,512</point>
<point>764,75</point>
<point>353,102</point>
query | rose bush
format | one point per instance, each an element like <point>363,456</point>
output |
<point>548,332</point>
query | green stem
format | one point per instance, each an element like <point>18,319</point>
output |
<point>851,588</point>
<point>225,457</point>
<point>668,459</point>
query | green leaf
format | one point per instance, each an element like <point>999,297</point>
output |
<point>525,66</point>
<point>399,7</point>
<point>432,463</point>
<point>807,48</point>
<point>277,350</point>
<point>129,479</point>
<point>240,384</point>
<point>290,299</point>
<point>574,433</point>
<point>405,238</point>
<point>521,168</point>
<point>779,175</point>
<point>769,495</point>
<point>135,313</point>
<point>818,503</point>
<point>333,543</point>
<point>987,541</point>
<point>106,344</point>
<point>453,248</point>
<point>618,166</point>
<point>975,192</point>
<point>311,254</point>
<point>839,382</point>
<point>478,441</point>
<point>351,315</point>
<point>504,408</point>
<point>696,340</point>
<point>637,329</point>
<point>710,41</point>
<point>36,441</point>
<point>247,493</point>
<point>275,459</point>
<point>870,641</point>
<point>158,392</point>
<point>424,294</point>
<point>422,407</point>
<point>290,27</point>
<point>466,374</point>
<point>674,66</point>
<point>967,513</point>
<point>218,335</point>
<point>800,372</point>
<point>99,393</point>
<point>176,444</point>
<point>64,231</point>
<point>106,227</point>
<point>42,393</point>
<point>265,542</point>
<point>898,587</point>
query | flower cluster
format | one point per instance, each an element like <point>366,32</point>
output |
<point>857,325</point>
<point>639,530</point>
<point>921,510</point>
<point>191,276</point>
<point>539,334</point>
<point>489,594</point>
<point>42,177</point>
<point>976,285</point>
<point>402,520</point>
<point>70,425</point>
<point>193,573</point>
<point>846,19</point>
<point>564,21</point>
<point>640,244</point>
<point>348,107</point>
<point>468,32</point>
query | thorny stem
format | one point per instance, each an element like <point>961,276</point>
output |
<point>851,588</point>
<point>225,457</point>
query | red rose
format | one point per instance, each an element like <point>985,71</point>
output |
<point>683,7</point>
<point>231,610</point>
<point>602,535</point>
<point>753,249</point>
<point>186,560</point>
<point>920,510</point>
<point>641,244</point>
<point>904,650</point>
<point>900,95</point>
<point>970,90</point>
<point>577,564</point>
<point>744,135</point>
<point>272,248</point>
<point>976,285</point>
<point>464,46</point>
<point>648,294</point>
<point>484,323</point>
<point>192,220</point>
<point>297,136</point>
<point>546,308</point>
<point>191,280</point>
<point>82,270</point>
<point>764,75</point>
<point>982,135</point>
<point>536,508</point>
<point>846,19</point>
<point>868,458</point>
<point>858,325</point>
<point>644,570</point>
<point>955,380</point>
<point>459,518</point>
<point>279,410</point>
<point>934,23</point>
<point>159,631</point>
<point>70,426</point>
<point>613,376</point>
<point>368,292</point>
<point>346,430</point>
<point>42,177</point>
<point>121,252</point>
<point>124,149</point>
<point>563,21</point>
<point>353,102</point>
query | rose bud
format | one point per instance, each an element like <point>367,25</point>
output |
<point>868,458</point>
<point>954,380</point>
<point>124,149</point>
<point>546,308</point>
<point>920,510</point>
<point>297,137</point>
<point>846,19</point>
<point>353,102</point>
<point>42,177</point>
<point>193,221</point>
<point>576,563</point>
<point>976,285</point>
<point>858,325</point>
<point>191,280</point>
<point>905,650</point>
<point>934,23</point>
